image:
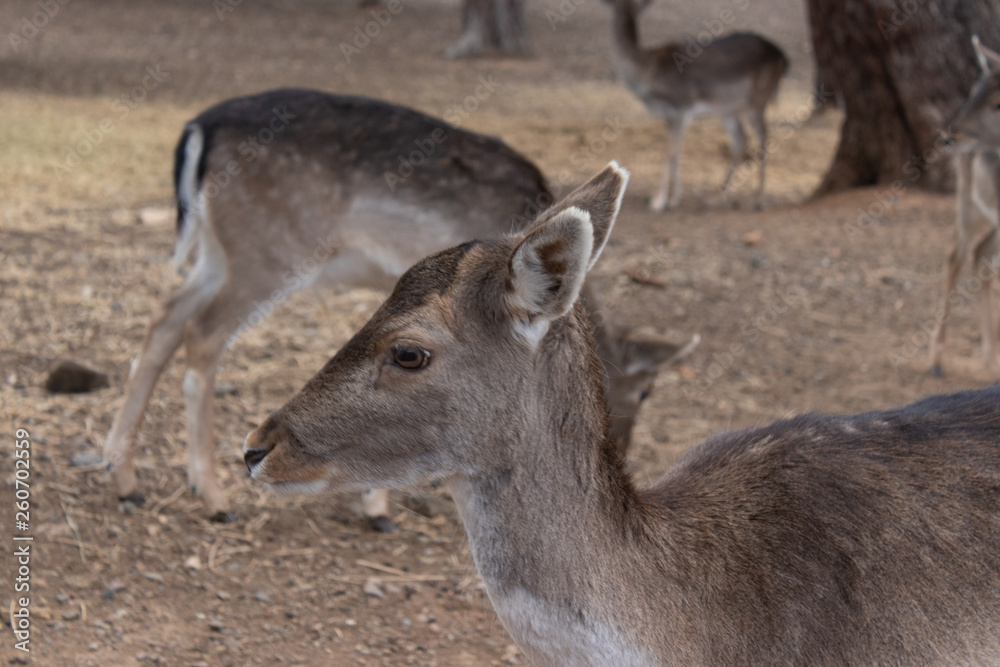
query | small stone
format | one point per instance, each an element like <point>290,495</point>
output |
<point>71,615</point>
<point>114,586</point>
<point>151,215</point>
<point>225,389</point>
<point>373,588</point>
<point>216,625</point>
<point>192,563</point>
<point>753,238</point>
<point>62,598</point>
<point>223,595</point>
<point>70,377</point>
<point>153,576</point>
<point>261,596</point>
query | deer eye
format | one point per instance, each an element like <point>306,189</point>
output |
<point>643,395</point>
<point>410,357</point>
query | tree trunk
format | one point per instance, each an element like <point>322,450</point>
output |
<point>902,68</point>
<point>491,24</point>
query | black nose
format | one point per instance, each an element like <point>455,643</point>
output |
<point>254,456</point>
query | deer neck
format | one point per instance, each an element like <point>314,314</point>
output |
<point>626,53</point>
<point>547,532</point>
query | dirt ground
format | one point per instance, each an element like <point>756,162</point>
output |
<point>828,313</point>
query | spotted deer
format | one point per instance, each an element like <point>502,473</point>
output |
<point>974,137</point>
<point>734,75</point>
<point>291,188</point>
<point>850,540</point>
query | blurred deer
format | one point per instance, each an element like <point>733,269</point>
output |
<point>857,540</point>
<point>974,136</point>
<point>292,188</point>
<point>735,75</point>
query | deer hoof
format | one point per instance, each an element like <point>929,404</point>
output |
<point>135,498</point>
<point>223,516</point>
<point>382,524</point>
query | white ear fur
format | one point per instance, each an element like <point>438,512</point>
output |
<point>987,58</point>
<point>547,270</point>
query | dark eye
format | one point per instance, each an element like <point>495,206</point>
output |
<point>410,357</point>
<point>644,395</point>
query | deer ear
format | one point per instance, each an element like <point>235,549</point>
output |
<point>601,197</point>
<point>988,59</point>
<point>546,272</point>
<point>651,353</point>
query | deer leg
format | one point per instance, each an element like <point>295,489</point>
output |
<point>162,340</point>
<point>986,256</point>
<point>476,16</point>
<point>375,505</point>
<point>738,149</point>
<point>669,195</point>
<point>956,258</point>
<point>205,341</point>
<point>759,126</point>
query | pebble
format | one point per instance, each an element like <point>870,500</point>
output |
<point>152,215</point>
<point>261,596</point>
<point>373,587</point>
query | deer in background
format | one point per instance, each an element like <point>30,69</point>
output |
<point>734,75</point>
<point>974,136</point>
<point>854,540</point>
<point>291,188</point>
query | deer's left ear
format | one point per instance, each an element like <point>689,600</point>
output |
<point>546,272</point>
<point>547,269</point>
<point>987,58</point>
<point>601,197</point>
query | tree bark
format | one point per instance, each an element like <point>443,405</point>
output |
<point>491,24</point>
<point>902,68</point>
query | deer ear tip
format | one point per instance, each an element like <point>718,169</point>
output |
<point>620,170</point>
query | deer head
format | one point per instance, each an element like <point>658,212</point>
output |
<point>473,355</point>
<point>976,125</point>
